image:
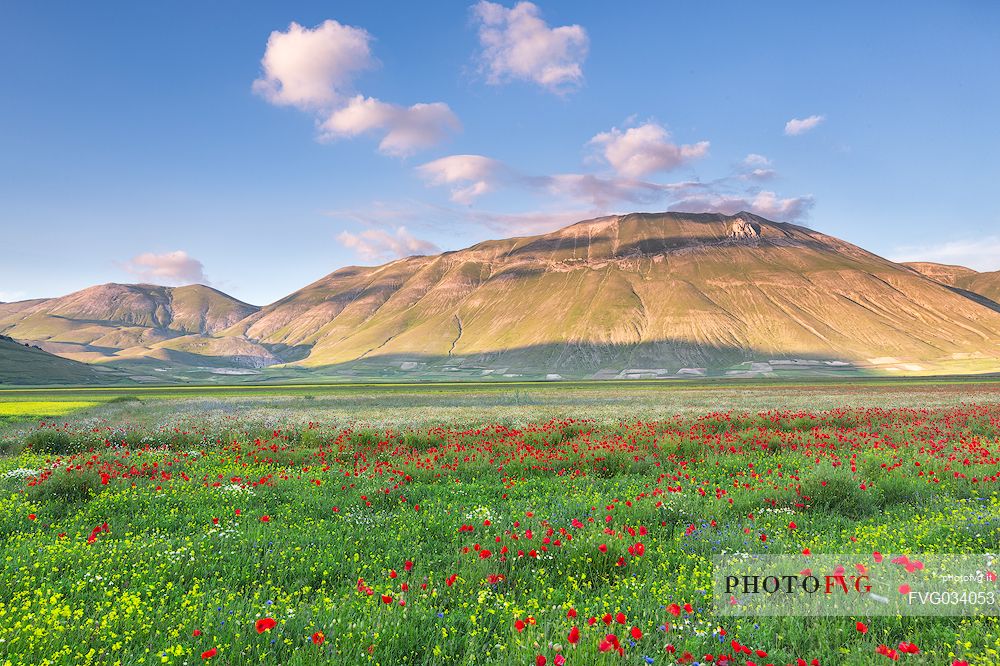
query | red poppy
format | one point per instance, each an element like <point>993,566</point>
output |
<point>519,625</point>
<point>636,633</point>
<point>574,636</point>
<point>265,624</point>
<point>386,599</point>
<point>318,638</point>
<point>862,627</point>
<point>31,516</point>
<point>208,654</point>
<point>265,518</point>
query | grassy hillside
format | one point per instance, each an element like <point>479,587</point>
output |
<point>115,322</point>
<point>983,284</point>
<point>22,366</point>
<point>638,294</point>
<point>629,297</point>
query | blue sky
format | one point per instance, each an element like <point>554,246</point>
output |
<point>136,145</point>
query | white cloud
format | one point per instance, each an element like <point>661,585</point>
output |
<point>171,268</point>
<point>756,167</point>
<point>459,220</point>
<point>759,174</point>
<point>797,126</point>
<point>766,204</point>
<point>534,222</point>
<point>405,130</point>
<point>604,193</point>
<point>470,176</point>
<point>640,151</point>
<point>518,44</point>
<point>981,254</point>
<point>380,245</point>
<point>311,68</point>
<point>755,160</point>
<point>9,296</point>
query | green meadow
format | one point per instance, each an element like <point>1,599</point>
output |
<point>555,523</point>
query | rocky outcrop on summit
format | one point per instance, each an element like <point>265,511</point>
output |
<point>744,228</point>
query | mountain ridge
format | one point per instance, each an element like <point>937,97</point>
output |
<point>985,283</point>
<point>414,305</point>
<point>673,293</point>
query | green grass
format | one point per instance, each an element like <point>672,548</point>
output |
<point>160,470</point>
<point>20,365</point>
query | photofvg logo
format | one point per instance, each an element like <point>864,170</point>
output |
<point>856,584</point>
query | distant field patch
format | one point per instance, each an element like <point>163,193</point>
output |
<point>40,409</point>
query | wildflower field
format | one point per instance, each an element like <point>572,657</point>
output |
<point>552,526</point>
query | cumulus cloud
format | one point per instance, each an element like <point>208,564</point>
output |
<point>170,268</point>
<point>797,126</point>
<point>382,214</point>
<point>313,69</point>
<point>981,254</point>
<point>604,193</point>
<point>756,167</point>
<point>755,160</point>
<point>405,130</point>
<point>381,245</point>
<point>518,44</point>
<point>766,204</point>
<point>471,176</point>
<point>640,151</point>
<point>468,176</point>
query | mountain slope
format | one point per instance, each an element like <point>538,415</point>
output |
<point>118,321</point>
<point>663,291</point>
<point>983,284</point>
<point>637,295</point>
<point>22,366</point>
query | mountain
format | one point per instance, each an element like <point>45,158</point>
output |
<point>986,285</point>
<point>21,365</point>
<point>114,322</point>
<point>632,296</point>
<point>639,294</point>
